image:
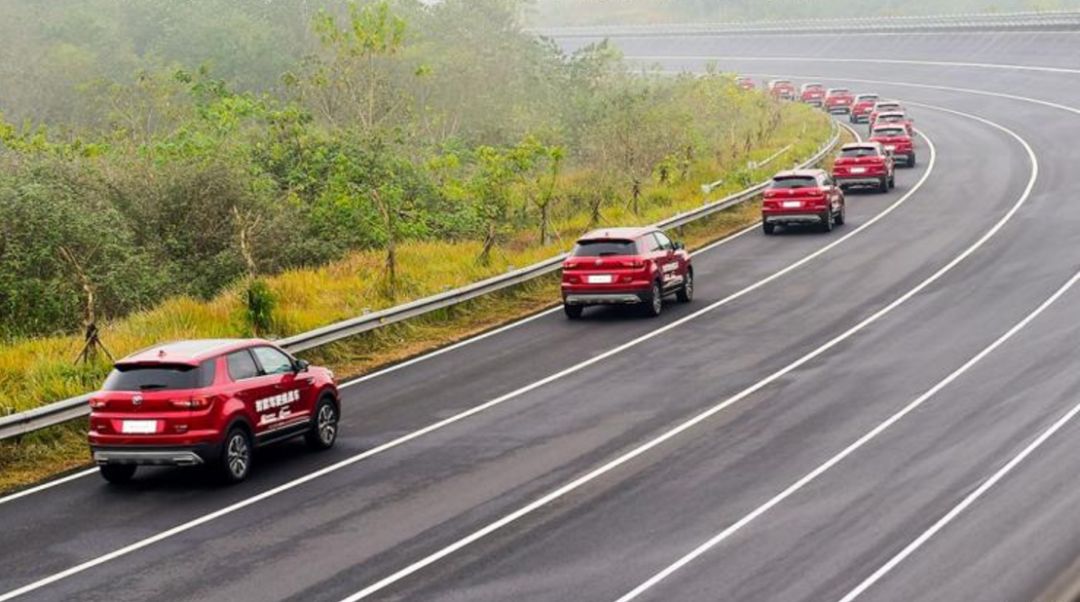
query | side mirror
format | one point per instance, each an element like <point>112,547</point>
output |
<point>301,366</point>
<point>678,246</point>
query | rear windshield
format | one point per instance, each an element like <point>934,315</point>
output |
<point>861,151</point>
<point>794,182</point>
<point>889,132</point>
<point>866,97</point>
<point>887,107</point>
<point>602,248</point>
<point>159,377</point>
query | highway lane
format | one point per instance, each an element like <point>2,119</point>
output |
<point>379,410</point>
<point>477,459</point>
<point>376,516</point>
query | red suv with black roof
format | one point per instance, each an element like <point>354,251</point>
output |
<point>626,266</point>
<point>208,402</point>
<point>802,196</point>
<point>839,100</point>
<point>812,94</point>
<point>896,140</point>
<point>862,107</point>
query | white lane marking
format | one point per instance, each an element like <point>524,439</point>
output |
<point>415,360</point>
<point>974,495</point>
<point>48,485</point>
<point>866,438</point>
<point>187,526</point>
<point>611,465</point>
<point>1011,67</point>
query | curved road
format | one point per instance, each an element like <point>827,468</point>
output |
<point>885,412</point>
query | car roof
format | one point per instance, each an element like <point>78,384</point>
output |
<point>616,233</point>
<point>189,352</point>
<point>860,145</point>
<point>889,102</point>
<point>800,173</point>
<point>874,94</point>
<point>891,114</point>
<point>839,89</point>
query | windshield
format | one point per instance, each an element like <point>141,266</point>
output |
<point>604,248</point>
<point>159,377</point>
<point>793,182</point>
<point>861,151</point>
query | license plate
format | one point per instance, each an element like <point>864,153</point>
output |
<point>792,204</point>
<point>139,427</point>
<point>890,147</point>
<point>858,170</point>
<point>600,279</point>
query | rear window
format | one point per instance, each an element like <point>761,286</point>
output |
<point>887,107</point>
<point>837,91</point>
<point>793,182</point>
<point>889,132</point>
<point>160,377</point>
<point>862,151</point>
<point>866,97</point>
<point>603,248</point>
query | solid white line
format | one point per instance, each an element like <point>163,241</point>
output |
<point>974,495</point>
<point>641,449</point>
<point>471,411</point>
<point>48,485</point>
<point>866,438</point>
<point>1011,67</point>
<point>404,364</point>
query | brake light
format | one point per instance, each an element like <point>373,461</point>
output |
<point>637,263</point>
<point>97,403</point>
<point>197,402</point>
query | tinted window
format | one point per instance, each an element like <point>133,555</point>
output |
<point>794,182</point>
<point>862,151</point>
<point>273,361</point>
<point>160,377</point>
<point>865,98</point>
<point>665,242</point>
<point>889,132</point>
<point>601,248</point>
<point>241,365</point>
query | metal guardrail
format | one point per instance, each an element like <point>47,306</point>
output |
<point>1021,21</point>
<point>76,407</point>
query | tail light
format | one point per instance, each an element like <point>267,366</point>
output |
<point>96,403</point>
<point>198,402</point>
<point>636,263</point>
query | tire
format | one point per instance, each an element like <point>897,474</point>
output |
<point>768,228</point>
<point>827,221</point>
<point>324,428</point>
<point>654,304</point>
<point>117,474</point>
<point>573,312</point>
<point>686,293</point>
<point>892,181</point>
<point>911,160</point>
<point>883,187</point>
<point>234,465</point>
<point>842,216</point>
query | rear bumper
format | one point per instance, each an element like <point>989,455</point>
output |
<point>844,109</point>
<point>156,456</point>
<point>793,218</point>
<point>627,298</point>
<point>859,180</point>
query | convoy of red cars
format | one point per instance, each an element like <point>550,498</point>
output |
<point>213,402</point>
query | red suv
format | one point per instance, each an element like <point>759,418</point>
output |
<point>208,402</point>
<point>839,100</point>
<point>745,83</point>
<point>896,118</point>
<point>782,89</point>
<point>864,164</point>
<point>812,94</point>
<point>862,107</point>
<point>883,106</point>
<point>896,140</point>
<point>802,196</point>
<point>625,266</point>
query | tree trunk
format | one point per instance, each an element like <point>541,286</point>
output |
<point>544,224</point>
<point>635,192</point>
<point>489,243</point>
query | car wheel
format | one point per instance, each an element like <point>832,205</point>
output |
<point>655,303</point>
<point>324,429</point>
<point>686,293</point>
<point>911,160</point>
<point>118,474</point>
<point>827,221</point>
<point>892,181</point>
<point>236,455</point>
<point>842,216</point>
<point>573,311</point>
<point>768,228</point>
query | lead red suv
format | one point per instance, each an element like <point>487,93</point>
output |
<point>864,164</point>
<point>812,94</point>
<point>626,266</point>
<point>802,196</point>
<point>208,402</point>
<point>896,140</point>
<point>782,89</point>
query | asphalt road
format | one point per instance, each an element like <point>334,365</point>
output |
<point>886,411</point>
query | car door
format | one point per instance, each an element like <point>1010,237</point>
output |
<point>291,394</point>
<point>249,385</point>
<point>668,261</point>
